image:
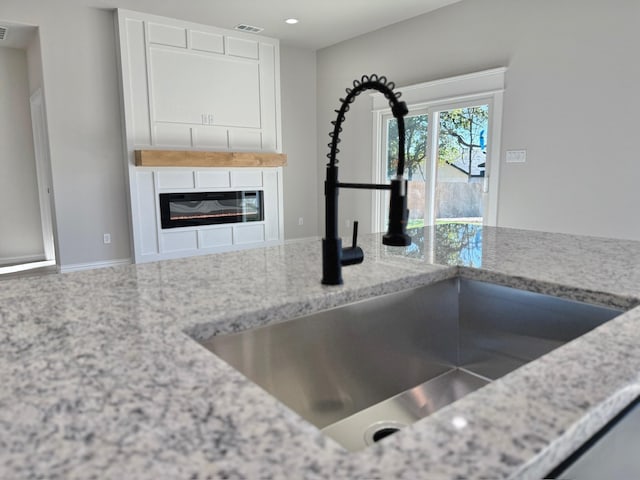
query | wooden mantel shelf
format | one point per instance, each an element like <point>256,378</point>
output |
<point>187,158</point>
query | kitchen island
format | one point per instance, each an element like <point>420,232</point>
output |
<point>102,377</point>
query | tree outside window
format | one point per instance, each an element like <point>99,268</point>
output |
<point>461,158</point>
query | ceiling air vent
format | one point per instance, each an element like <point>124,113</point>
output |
<point>248,28</point>
<point>3,33</point>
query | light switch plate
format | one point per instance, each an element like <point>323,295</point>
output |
<point>516,156</point>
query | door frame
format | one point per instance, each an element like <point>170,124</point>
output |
<point>489,202</point>
<point>43,173</point>
<point>481,87</point>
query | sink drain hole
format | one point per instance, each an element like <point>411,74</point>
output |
<point>384,432</point>
<point>381,429</point>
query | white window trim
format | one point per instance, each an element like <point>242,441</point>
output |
<point>487,85</point>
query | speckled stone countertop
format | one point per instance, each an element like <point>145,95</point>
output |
<point>101,378</point>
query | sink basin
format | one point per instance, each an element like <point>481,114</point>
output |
<point>364,370</point>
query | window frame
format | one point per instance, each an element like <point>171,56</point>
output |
<point>486,87</point>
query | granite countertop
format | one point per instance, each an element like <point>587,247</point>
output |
<point>101,378</point>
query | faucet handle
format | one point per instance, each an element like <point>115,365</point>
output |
<point>354,241</point>
<point>354,254</point>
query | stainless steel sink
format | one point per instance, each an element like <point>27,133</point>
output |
<point>362,371</point>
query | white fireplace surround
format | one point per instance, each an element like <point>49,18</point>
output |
<point>192,87</point>
<point>156,243</point>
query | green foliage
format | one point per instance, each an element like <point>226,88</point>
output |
<point>415,128</point>
<point>459,133</point>
<point>457,243</point>
<point>448,154</point>
<point>460,130</point>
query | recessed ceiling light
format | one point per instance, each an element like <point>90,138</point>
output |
<point>291,21</point>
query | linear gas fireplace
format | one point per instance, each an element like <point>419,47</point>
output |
<point>210,208</point>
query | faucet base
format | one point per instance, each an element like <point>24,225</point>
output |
<point>331,261</point>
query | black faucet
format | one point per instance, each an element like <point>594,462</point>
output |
<point>333,255</point>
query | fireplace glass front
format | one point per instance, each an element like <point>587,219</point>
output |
<point>210,208</point>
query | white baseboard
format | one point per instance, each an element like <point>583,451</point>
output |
<point>76,267</point>
<point>6,261</point>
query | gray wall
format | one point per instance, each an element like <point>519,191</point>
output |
<point>571,101</point>
<point>83,111</point>
<point>298,87</point>
<point>20,227</point>
<point>83,116</point>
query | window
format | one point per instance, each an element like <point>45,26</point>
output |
<point>416,133</point>
<point>452,133</point>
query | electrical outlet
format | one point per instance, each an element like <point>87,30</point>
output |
<point>516,156</point>
<point>107,238</point>
<point>300,221</point>
<point>347,223</point>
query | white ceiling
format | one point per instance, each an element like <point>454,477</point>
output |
<point>322,22</point>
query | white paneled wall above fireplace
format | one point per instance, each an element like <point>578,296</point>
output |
<point>195,86</point>
<point>187,86</point>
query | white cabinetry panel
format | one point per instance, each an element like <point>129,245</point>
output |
<point>248,234</point>
<point>147,223</point>
<point>245,139</point>
<point>239,47</point>
<point>270,98</point>
<point>135,92</point>
<point>214,178</point>
<point>167,35</point>
<point>246,178</point>
<point>216,138</point>
<point>172,135</point>
<point>215,237</point>
<point>217,90</point>
<point>175,179</point>
<point>179,241</point>
<point>272,208</point>
<point>207,42</point>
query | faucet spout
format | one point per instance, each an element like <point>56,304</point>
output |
<point>333,255</point>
